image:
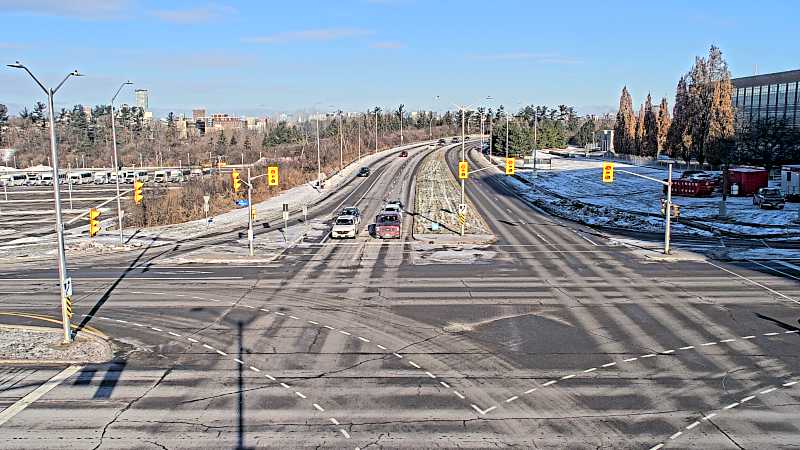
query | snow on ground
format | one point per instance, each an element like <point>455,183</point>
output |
<point>769,254</point>
<point>617,204</point>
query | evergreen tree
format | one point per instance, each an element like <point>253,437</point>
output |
<point>234,142</point>
<point>709,113</point>
<point>247,145</point>
<point>663,125</point>
<point>650,136</point>
<point>222,143</point>
<point>720,128</point>
<point>625,128</point>
<point>37,117</point>
<point>585,134</point>
<point>679,139</point>
<point>639,135</point>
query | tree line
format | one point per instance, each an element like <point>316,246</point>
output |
<point>704,126</point>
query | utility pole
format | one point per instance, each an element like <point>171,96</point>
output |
<point>319,160</point>
<point>359,141</point>
<point>65,283</point>
<point>506,135</point>
<point>463,158</point>
<point>116,161</point>
<point>376,131</point>
<point>341,142</point>
<point>669,211</point>
<point>250,212</point>
<point>401,124</point>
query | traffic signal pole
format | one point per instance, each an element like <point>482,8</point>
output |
<point>463,158</point>
<point>668,203</point>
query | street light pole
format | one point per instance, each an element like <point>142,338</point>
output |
<point>66,300</point>
<point>669,211</point>
<point>250,212</point>
<point>506,135</point>
<point>376,131</point>
<point>116,161</point>
<point>341,142</point>
<point>463,158</point>
<point>319,161</point>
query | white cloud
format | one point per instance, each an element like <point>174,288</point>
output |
<point>83,9</point>
<point>389,45</point>
<point>322,34</point>
<point>194,15</point>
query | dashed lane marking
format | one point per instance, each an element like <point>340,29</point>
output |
<point>729,407</point>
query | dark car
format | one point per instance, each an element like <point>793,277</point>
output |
<point>769,197</point>
<point>364,172</point>
<point>693,173</point>
<point>403,154</point>
<point>455,139</point>
<point>442,141</point>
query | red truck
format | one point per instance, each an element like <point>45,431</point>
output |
<point>387,225</point>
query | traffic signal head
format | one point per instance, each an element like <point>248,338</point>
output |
<point>272,175</point>
<point>511,166</point>
<point>463,170</point>
<point>94,223</point>
<point>138,196</point>
<point>237,181</point>
<point>608,172</point>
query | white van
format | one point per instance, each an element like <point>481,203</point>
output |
<point>102,177</point>
<point>175,176</point>
<point>83,177</point>
<point>142,176</point>
<point>16,179</point>
<point>46,179</point>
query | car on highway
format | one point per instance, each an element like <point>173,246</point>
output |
<point>403,154</point>
<point>351,211</point>
<point>102,177</point>
<point>345,227</point>
<point>15,179</point>
<point>769,197</point>
<point>455,139</point>
<point>46,179</point>
<point>388,225</point>
<point>82,177</point>
<point>363,172</point>
<point>442,141</point>
<point>393,208</point>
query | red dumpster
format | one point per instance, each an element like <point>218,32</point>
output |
<point>747,179</point>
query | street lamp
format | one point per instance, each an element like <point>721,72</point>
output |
<point>65,284</point>
<point>116,163</point>
<point>491,122</point>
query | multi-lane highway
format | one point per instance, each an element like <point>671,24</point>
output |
<point>551,337</point>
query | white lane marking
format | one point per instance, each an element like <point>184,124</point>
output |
<point>262,309</point>
<point>675,436</point>
<point>317,323</point>
<point>708,343</point>
<point>732,405</point>
<point>590,370</point>
<point>222,353</point>
<point>238,360</point>
<point>294,317</point>
<point>398,355</point>
<point>630,359</point>
<point>380,346</point>
<point>688,347</point>
<point>726,340</point>
<point>771,334</point>
<point>279,313</point>
<point>319,408</point>
<point>791,331</point>
<point>334,421</point>
<point>414,364</point>
<point>667,352</point>
<point>345,333</point>
<point>121,321</point>
<point>363,339</point>
<point>137,324</point>
<point>173,334</point>
<point>192,340</point>
<point>299,394</point>
<point>530,390</point>
<point>328,327</point>
<point>459,395</point>
<point>567,377</point>
<point>747,399</point>
<point>270,377</point>
<point>748,337</point>
<point>37,393</point>
<point>255,369</point>
<point>656,447</point>
<point>755,283</point>
<point>430,374</point>
<point>649,355</point>
<point>791,383</point>
<point>208,347</point>
<point>609,364</point>
<point>692,425</point>
<point>709,416</point>
<point>549,383</point>
<point>157,329</point>
<point>344,433</point>
<point>447,386</point>
<point>511,399</point>
<point>774,269</point>
<point>248,306</point>
<point>767,391</point>
<point>286,385</point>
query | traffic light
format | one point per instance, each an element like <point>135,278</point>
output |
<point>237,181</point>
<point>272,175</point>
<point>608,172</point>
<point>463,170</point>
<point>138,196</point>
<point>94,223</point>
<point>252,213</point>
<point>511,166</point>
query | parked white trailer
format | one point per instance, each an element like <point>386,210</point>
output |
<point>790,181</point>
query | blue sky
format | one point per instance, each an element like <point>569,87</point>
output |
<point>265,56</point>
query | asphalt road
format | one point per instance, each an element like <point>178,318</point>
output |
<point>551,337</point>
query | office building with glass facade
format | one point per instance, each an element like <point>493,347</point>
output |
<point>772,95</point>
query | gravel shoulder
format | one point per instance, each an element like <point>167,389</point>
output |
<point>26,344</point>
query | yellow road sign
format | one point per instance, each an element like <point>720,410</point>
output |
<point>608,172</point>
<point>463,170</point>
<point>511,166</point>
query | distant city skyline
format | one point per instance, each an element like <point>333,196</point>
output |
<point>246,59</point>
